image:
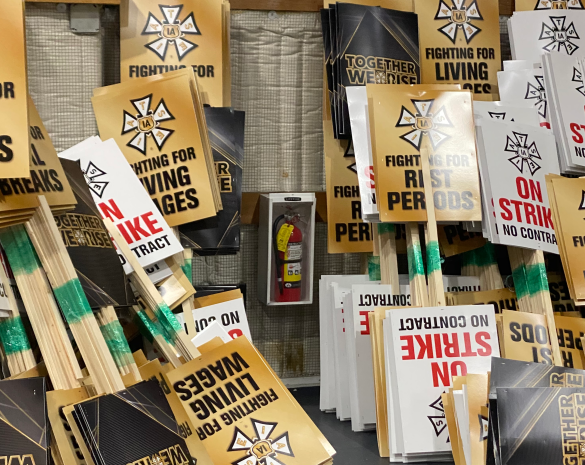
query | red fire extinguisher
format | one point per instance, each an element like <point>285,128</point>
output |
<point>288,253</point>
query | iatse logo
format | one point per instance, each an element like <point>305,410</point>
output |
<point>501,115</point>
<point>559,36</point>
<point>525,154</point>
<point>424,122</point>
<point>537,93</point>
<point>438,420</point>
<point>578,79</point>
<point>261,449</point>
<point>146,124</point>
<point>91,173</point>
<point>171,31</point>
<point>460,18</point>
<point>559,5</point>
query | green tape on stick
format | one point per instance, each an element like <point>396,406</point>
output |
<point>433,257</point>
<point>520,281</point>
<point>148,328</point>
<point>19,249</point>
<point>117,343</point>
<point>13,335</point>
<point>415,261</point>
<point>374,273</point>
<point>536,278</point>
<point>168,320</point>
<point>386,228</point>
<point>490,254</point>
<point>72,301</point>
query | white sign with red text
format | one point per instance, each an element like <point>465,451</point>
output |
<point>517,158</point>
<point>428,347</point>
<point>119,196</point>
<point>364,298</point>
<point>566,91</point>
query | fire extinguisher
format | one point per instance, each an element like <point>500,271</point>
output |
<point>288,255</point>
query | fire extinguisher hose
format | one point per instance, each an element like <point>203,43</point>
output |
<point>276,256</point>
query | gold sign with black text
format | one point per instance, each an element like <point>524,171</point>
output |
<point>14,158</point>
<point>460,43</point>
<point>158,38</point>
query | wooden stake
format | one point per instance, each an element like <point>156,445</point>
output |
<point>166,349</point>
<point>418,286</point>
<point>53,254</point>
<point>152,297</point>
<point>434,272</point>
<point>22,360</point>
<point>388,255</point>
<point>188,316</point>
<point>540,296</point>
<point>109,319</point>
<point>42,309</point>
<point>519,274</point>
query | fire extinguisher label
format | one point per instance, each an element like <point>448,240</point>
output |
<point>294,251</point>
<point>283,236</point>
<point>292,275</point>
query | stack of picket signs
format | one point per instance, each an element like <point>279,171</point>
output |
<point>566,95</point>
<point>366,44</point>
<point>534,33</point>
<point>224,308</point>
<point>567,198</point>
<point>524,412</point>
<point>173,162</point>
<point>120,197</point>
<point>344,305</point>
<point>515,154</point>
<point>388,368</point>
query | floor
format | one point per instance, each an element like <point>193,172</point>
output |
<point>352,448</point>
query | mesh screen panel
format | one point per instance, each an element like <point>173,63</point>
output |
<point>63,70</point>
<point>277,80</point>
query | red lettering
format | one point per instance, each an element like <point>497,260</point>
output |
<point>535,190</point>
<point>504,204</point>
<point>409,347</point>
<point>468,352</point>
<point>426,346</point>
<point>462,368</point>
<point>529,213</point>
<point>522,187</point>
<point>135,228</point>
<point>151,224</point>
<point>124,233</point>
<point>109,210</point>
<point>481,338</point>
<point>577,137</point>
<point>370,174</point>
<point>234,333</point>
<point>451,348</point>
<point>438,350</point>
<point>443,374</point>
<point>365,323</point>
<point>517,205</point>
